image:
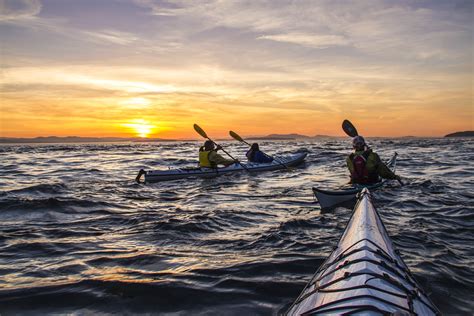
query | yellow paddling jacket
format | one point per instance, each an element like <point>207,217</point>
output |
<point>210,159</point>
<point>204,161</point>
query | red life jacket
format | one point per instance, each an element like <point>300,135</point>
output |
<point>361,174</point>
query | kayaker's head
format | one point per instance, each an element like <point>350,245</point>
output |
<point>208,145</point>
<point>358,143</point>
<point>254,147</point>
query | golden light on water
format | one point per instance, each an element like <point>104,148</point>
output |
<point>140,127</point>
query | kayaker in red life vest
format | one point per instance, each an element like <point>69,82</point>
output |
<point>256,155</point>
<point>209,158</point>
<point>365,165</point>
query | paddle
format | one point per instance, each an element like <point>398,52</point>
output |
<point>201,132</point>
<point>349,128</point>
<point>351,131</point>
<point>240,139</point>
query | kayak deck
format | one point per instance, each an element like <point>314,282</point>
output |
<point>330,198</point>
<point>183,173</point>
<point>364,274</point>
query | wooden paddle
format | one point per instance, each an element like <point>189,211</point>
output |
<point>240,139</point>
<point>201,132</point>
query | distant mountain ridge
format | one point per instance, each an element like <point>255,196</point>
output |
<point>461,134</point>
<point>287,137</point>
<point>77,139</point>
<point>281,137</point>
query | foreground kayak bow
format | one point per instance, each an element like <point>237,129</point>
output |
<point>364,274</point>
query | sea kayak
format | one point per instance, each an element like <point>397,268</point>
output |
<point>364,275</point>
<point>182,173</point>
<point>330,198</point>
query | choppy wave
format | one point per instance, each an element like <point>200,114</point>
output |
<point>78,235</point>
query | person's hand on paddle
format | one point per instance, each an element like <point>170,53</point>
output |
<point>219,147</point>
<point>399,179</point>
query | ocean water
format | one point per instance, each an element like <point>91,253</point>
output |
<point>78,235</point>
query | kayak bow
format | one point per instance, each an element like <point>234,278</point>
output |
<point>364,274</point>
<point>330,198</point>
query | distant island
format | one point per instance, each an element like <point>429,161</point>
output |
<point>461,134</point>
<point>279,137</point>
<point>77,139</point>
<point>287,137</point>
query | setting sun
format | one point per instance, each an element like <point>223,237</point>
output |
<point>117,77</point>
<point>141,127</point>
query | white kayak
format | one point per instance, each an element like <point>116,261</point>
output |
<point>364,275</point>
<point>330,198</point>
<point>182,173</point>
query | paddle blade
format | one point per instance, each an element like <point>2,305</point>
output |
<point>200,131</point>
<point>235,136</point>
<point>349,128</point>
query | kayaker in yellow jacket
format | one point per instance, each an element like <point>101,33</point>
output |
<point>365,166</point>
<point>209,158</point>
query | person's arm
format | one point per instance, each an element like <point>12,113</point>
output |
<point>261,157</point>
<point>219,160</point>
<point>383,170</point>
<point>248,154</point>
<point>350,166</point>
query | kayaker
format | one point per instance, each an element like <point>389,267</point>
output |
<point>256,155</point>
<point>209,158</point>
<point>365,166</point>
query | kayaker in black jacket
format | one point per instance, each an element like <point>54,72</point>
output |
<point>365,165</point>
<point>256,155</point>
<point>209,158</point>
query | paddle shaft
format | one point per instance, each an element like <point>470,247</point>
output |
<point>247,169</point>
<point>201,132</point>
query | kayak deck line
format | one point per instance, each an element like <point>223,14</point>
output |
<point>363,274</point>
<point>330,198</point>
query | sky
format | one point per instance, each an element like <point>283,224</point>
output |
<point>153,68</point>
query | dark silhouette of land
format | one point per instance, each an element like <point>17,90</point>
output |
<point>76,139</point>
<point>287,137</point>
<point>279,137</point>
<point>461,134</point>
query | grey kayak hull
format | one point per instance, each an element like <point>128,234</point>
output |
<point>331,198</point>
<point>364,275</point>
<point>175,174</point>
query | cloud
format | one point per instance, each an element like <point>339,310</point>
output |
<point>161,8</point>
<point>268,58</point>
<point>111,36</point>
<point>396,30</point>
<point>59,26</point>
<point>309,40</point>
<point>19,9</point>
